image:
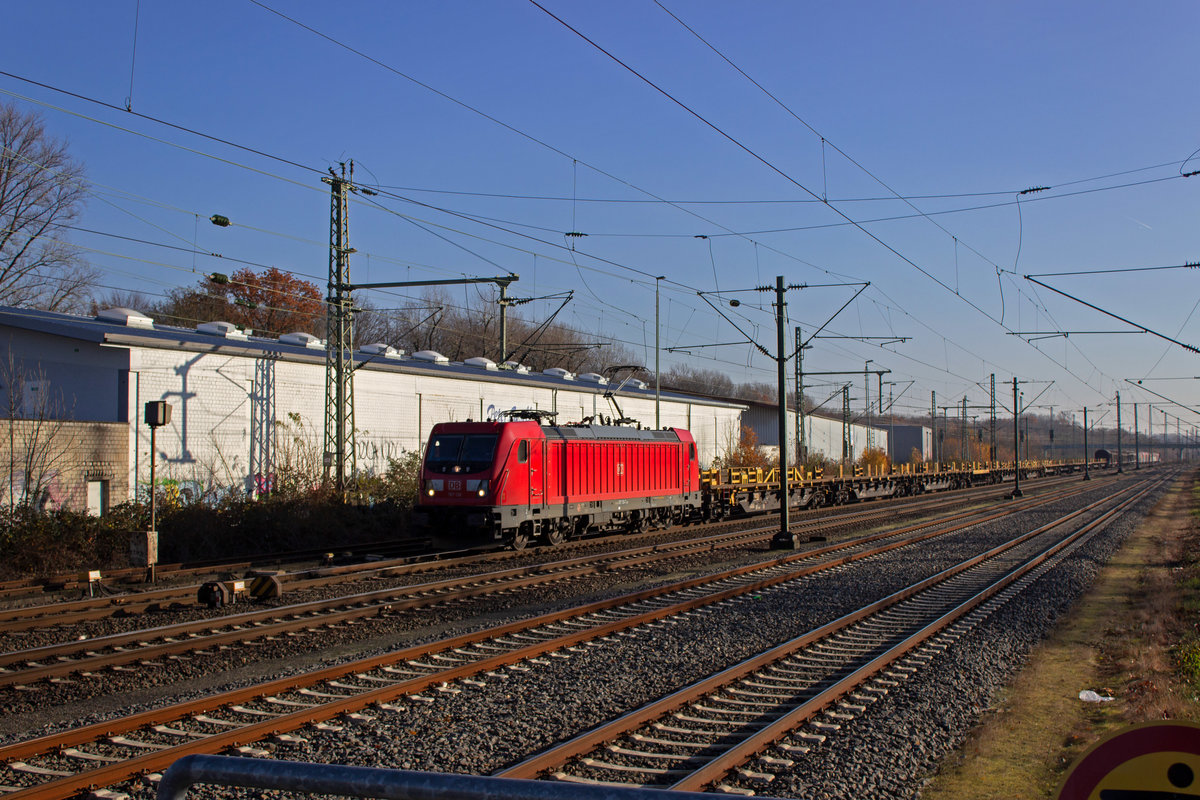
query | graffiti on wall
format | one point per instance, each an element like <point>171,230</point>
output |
<point>379,449</point>
<point>48,494</point>
<point>174,492</point>
<point>493,413</point>
<point>263,484</point>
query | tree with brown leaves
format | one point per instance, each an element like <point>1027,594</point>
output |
<point>270,303</point>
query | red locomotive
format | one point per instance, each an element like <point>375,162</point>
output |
<point>506,483</point>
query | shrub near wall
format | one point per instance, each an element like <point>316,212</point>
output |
<point>47,544</point>
<point>238,527</point>
<point>38,544</point>
<point>231,527</point>
<point>293,518</point>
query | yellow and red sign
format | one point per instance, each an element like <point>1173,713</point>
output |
<point>1152,761</point>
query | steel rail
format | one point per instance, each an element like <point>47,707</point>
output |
<point>543,568</point>
<point>557,757</point>
<point>31,587</point>
<point>249,626</point>
<point>110,774</point>
<point>143,600</point>
<point>25,618</point>
<point>741,753</point>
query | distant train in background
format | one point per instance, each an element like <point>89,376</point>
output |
<point>1128,458</point>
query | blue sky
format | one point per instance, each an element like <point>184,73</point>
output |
<point>956,106</point>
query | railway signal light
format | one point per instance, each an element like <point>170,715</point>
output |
<point>144,545</point>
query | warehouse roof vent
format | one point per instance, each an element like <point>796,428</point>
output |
<point>432,356</point>
<point>127,317</point>
<point>594,377</point>
<point>559,372</point>
<point>382,350</point>
<point>480,362</point>
<point>302,339</point>
<point>225,329</point>
<point>516,367</point>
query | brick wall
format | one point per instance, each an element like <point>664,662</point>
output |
<point>68,455</point>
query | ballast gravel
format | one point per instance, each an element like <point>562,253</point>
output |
<point>889,749</point>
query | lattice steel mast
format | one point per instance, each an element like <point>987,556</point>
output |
<point>992,444</point>
<point>339,330</point>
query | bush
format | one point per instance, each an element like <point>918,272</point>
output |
<point>816,462</point>
<point>1188,653</point>
<point>877,460</point>
<point>398,485</point>
<point>216,526</point>
<point>36,543</point>
<point>745,453</point>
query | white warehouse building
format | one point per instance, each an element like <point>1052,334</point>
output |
<point>242,402</point>
<point>822,432</point>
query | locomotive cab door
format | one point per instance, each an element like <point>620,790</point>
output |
<point>537,472</point>
<point>690,468</point>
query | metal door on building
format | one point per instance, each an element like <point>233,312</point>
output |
<point>97,498</point>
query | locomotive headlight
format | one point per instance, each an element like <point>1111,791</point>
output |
<point>434,485</point>
<point>430,492</point>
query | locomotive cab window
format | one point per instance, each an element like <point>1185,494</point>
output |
<point>523,451</point>
<point>458,452</point>
<point>691,452</point>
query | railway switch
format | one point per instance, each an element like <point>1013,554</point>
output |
<point>212,594</point>
<point>215,594</point>
<point>264,586</point>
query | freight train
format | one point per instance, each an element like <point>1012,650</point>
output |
<point>510,482</point>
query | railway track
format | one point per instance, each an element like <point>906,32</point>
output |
<point>108,753</point>
<point>147,647</point>
<point>135,577</point>
<point>765,710</point>
<point>27,617</point>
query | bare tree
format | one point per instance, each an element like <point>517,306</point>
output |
<point>117,298</point>
<point>758,392</point>
<point>463,329</point>
<point>42,190</point>
<point>700,381</point>
<point>37,444</point>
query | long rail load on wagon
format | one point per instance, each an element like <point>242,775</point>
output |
<point>514,481</point>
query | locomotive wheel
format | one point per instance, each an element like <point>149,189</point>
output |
<point>556,533</point>
<point>521,538</point>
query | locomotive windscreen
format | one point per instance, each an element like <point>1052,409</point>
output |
<point>457,452</point>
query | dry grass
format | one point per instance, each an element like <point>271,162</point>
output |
<point>1131,637</point>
